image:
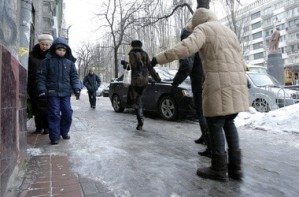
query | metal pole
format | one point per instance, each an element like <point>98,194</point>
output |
<point>25,23</point>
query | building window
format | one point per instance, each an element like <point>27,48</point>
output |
<point>245,38</point>
<point>258,55</point>
<point>256,25</point>
<point>294,23</point>
<point>247,48</point>
<point>257,35</point>
<point>282,49</point>
<point>280,16</point>
<point>268,33</point>
<point>255,15</point>
<point>294,48</point>
<point>257,45</point>
<point>246,58</point>
<point>267,11</point>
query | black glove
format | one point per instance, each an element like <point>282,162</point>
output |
<point>124,63</point>
<point>154,62</point>
<point>77,94</point>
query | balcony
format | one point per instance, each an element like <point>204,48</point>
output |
<point>293,29</point>
<point>266,15</point>
<point>266,38</point>
<point>267,25</point>
<point>291,6</point>
<point>293,53</point>
<point>292,17</point>
<point>292,41</point>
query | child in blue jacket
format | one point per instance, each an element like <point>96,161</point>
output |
<point>57,79</point>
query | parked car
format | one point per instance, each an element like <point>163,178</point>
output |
<point>267,94</point>
<point>157,97</point>
<point>103,90</point>
<point>255,68</point>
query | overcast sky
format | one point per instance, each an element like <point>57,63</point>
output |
<point>80,15</point>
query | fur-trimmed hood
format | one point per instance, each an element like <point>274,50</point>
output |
<point>68,53</point>
<point>203,15</point>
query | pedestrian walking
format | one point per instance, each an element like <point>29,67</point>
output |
<point>225,92</point>
<point>92,82</point>
<point>192,66</point>
<point>141,68</point>
<point>57,79</point>
<point>39,105</point>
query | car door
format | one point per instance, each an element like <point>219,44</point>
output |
<point>152,94</point>
<point>120,90</point>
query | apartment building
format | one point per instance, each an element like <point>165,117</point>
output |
<point>256,23</point>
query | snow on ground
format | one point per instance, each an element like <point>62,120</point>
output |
<point>285,119</point>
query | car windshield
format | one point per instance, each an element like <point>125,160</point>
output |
<point>261,79</point>
<point>168,75</point>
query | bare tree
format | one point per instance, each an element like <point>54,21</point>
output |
<point>84,54</point>
<point>238,22</point>
<point>150,20</point>
<point>119,18</point>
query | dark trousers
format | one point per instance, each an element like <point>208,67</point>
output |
<point>197,99</point>
<point>138,105</point>
<point>59,117</point>
<point>92,98</point>
<point>216,126</point>
<point>43,119</point>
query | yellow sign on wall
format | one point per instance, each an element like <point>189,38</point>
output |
<point>23,51</point>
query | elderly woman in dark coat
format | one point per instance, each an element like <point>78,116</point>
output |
<point>39,105</point>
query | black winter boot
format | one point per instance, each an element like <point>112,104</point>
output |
<point>140,124</point>
<point>200,140</point>
<point>206,153</point>
<point>234,164</point>
<point>218,169</point>
<point>139,114</point>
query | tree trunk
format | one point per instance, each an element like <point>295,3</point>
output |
<point>115,63</point>
<point>203,4</point>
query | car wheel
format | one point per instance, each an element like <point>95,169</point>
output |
<point>168,108</point>
<point>261,105</point>
<point>116,104</point>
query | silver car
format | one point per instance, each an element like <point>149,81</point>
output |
<point>266,93</point>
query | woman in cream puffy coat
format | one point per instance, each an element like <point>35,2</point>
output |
<point>225,92</point>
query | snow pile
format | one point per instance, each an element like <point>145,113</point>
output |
<point>285,119</point>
